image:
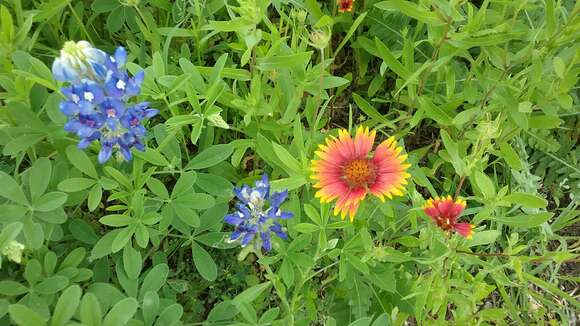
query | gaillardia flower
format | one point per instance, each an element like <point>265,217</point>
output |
<point>345,5</point>
<point>444,212</point>
<point>346,170</point>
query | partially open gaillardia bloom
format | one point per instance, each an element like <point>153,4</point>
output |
<point>345,5</point>
<point>348,170</point>
<point>445,211</point>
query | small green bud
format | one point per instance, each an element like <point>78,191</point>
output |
<point>319,39</point>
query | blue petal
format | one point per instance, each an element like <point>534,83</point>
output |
<point>69,108</point>
<point>247,238</point>
<point>105,154</point>
<point>63,72</point>
<point>234,218</point>
<point>120,56</point>
<point>126,151</point>
<point>285,215</point>
<point>266,244</point>
<point>100,70</point>
<point>278,198</point>
<point>236,234</point>
<point>150,113</point>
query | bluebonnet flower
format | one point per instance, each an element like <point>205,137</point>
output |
<point>257,214</point>
<point>97,100</point>
<point>78,60</point>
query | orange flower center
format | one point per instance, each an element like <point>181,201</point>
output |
<point>359,173</point>
<point>445,223</point>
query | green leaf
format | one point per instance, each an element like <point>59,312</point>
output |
<point>365,321</point>
<point>121,312</point>
<point>286,271</point>
<point>484,184</point>
<point>11,288</point>
<point>39,177</point>
<point>158,188</point>
<point>82,231</point>
<point>357,263</point>
<point>11,190</point>
<point>525,221</point>
<point>66,305</point>
<point>9,233</point>
<point>435,112</point>
<point>158,65</point>
<point>74,258</point>
<point>50,201</point>
<point>150,307</point>
<point>51,285</point>
<point>75,184</point>
<point>186,214</point>
<point>510,156</point>
<point>21,144</point>
<point>313,214</point>
<point>22,315</point>
<point>290,163</point>
<point>195,201</point>
<point>250,294</point>
<point>350,32</point>
<point>553,289</point>
<point>154,279</point>
<point>383,320</point>
<point>390,60</point>
<point>90,310</point>
<point>210,157</point>
<point>81,161</point>
<point>215,185</point>
<point>370,111</point>
<point>152,156</point>
<point>559,67</point>
<point>184,184</point>
<point>132,262</point>
<point>412,10</point>
<point>95,196</point>
<point>222,311</point>
<point>283,61</point>
<point>484,238</point>
<point>306,227</point>
<point>204,263</point>
<point>526,200</point>
<point>100,6</point>
<point>170,315</point>
<point>122,238</point>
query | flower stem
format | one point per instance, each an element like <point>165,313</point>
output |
<point>274,279</point>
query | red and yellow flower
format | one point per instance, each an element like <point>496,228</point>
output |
<point>347,171</point>
<point>444,212</point>
<point>345,5</point>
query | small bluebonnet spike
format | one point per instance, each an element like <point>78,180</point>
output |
<point>97,101</point>
<point>78,60</point>
<point>256,215</point>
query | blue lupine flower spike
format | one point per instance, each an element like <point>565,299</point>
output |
<point>97,100</point>
<point>257,214</point>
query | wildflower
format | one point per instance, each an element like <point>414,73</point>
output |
<point>257,215</point>
<point>320,38</point>
<point>345,5</point>
<point>97,101</point>
<point>347,170</point>
<point>78,60</point>
<point>13,251</point>
<point>444,212</point>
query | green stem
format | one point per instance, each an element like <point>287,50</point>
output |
<point>83,28</point>
<point>273,278</point>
